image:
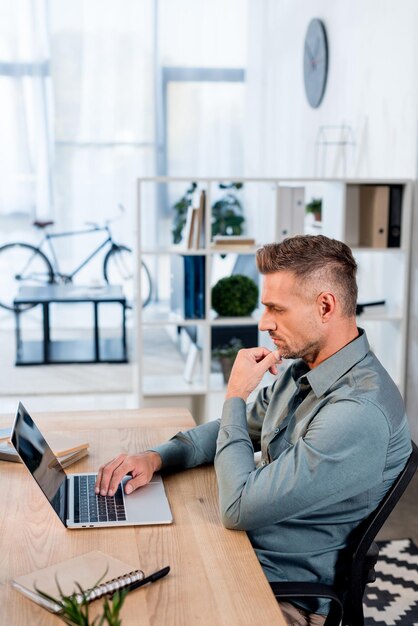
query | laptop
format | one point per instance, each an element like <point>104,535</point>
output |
<point>72,495</point>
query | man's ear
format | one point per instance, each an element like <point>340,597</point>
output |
<point>326,302</point>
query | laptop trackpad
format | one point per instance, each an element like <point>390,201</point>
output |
<point>148,504</point>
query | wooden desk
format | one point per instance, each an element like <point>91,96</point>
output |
<point>215,577</point>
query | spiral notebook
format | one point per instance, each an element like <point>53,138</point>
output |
<point>86,570</point>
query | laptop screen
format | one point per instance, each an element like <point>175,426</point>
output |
<point>40,460</point>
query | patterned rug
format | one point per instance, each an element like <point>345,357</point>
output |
<point>393,599</point>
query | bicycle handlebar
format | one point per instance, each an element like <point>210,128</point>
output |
<point>106,223</point>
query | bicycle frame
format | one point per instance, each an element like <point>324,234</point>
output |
<point>47,239</point>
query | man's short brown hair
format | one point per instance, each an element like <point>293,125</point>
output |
<point>319,262</point>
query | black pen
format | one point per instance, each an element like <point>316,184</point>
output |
<point>148,579</point>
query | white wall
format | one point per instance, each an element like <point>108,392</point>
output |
<point>372,87</point>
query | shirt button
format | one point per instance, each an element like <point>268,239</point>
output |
<point>263,463</point>
<point>277,430</point>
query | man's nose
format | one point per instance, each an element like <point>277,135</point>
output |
<point>266,322</point>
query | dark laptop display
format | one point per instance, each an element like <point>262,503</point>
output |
<point>73,497</point>
<point>40,460</point>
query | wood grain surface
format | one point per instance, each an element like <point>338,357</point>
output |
<point>215,577</point>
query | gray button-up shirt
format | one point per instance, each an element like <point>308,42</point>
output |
<point>332,440</point>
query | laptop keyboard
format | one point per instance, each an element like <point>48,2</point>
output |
<point>89,507</point>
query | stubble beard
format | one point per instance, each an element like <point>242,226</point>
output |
<point>308,352</point>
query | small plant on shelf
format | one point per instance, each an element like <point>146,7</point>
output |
<point>226,355</point>
<point>235,296</point>
<point>227,212</point>
<point>314,207</point>
<point>180,209</point>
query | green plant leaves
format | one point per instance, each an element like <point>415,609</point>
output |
<point>235,296</point>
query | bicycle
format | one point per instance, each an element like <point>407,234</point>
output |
<point>24,263</point>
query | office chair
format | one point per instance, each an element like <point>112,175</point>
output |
<point>347,600</point>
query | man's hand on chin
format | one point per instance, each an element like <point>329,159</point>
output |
<point>248,370</point>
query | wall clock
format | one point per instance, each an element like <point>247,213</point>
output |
<point>315,62</point>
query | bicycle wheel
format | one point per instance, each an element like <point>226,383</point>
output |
<point>21,264</point>
<point>118,269</point>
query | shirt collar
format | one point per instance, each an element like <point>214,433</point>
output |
<point>321,378</point>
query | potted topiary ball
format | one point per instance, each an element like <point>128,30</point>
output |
<point>234,296</point>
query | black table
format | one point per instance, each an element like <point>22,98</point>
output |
<point>93,350</point>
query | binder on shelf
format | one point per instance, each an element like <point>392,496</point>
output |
<point>374,215</point>
<point>199,294</point>
<point>188,286</point>
<point>395,216</point>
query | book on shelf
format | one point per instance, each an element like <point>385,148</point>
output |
<point>200,227</point>
<point>189,227</point>
<point>85,570</point>
<point>223,241</point>
<point>193,236</point>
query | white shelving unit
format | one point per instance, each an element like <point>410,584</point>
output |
<point>274,209</point>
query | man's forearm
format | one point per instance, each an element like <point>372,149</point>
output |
<point>191,448</point>
<point>234,459</point>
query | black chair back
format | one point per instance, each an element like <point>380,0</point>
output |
<point>366,553</point>
<point>347,602</point>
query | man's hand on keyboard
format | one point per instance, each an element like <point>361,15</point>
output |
<point>141,466</point>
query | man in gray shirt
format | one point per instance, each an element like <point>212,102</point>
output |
<point>332,428</point>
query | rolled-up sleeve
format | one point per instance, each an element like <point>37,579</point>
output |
<point>339,456</point>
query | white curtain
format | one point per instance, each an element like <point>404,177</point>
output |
<point>25,138</point>
<point>205,119</point>
<point>103,75</point>
<point>79,159</point>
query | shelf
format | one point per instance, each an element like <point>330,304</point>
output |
<point>158,314</point>
<point>379,317</point>
<point>173,251</point>
<point>233,321</point>
<point>173,386</point>
<point>75,351</point>
<point>170,251</point>
<point>359,249</point>
<point>273,209</point>
<point>234,249</point>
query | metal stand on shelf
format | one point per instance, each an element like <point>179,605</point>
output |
<point>340,137</point>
